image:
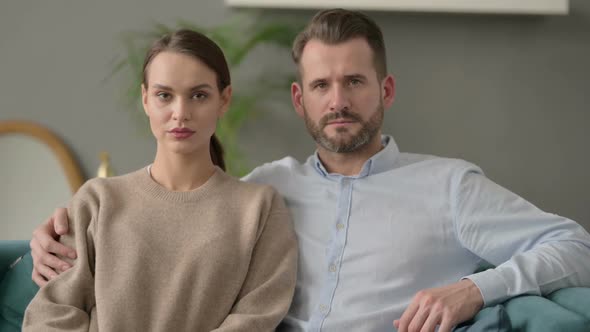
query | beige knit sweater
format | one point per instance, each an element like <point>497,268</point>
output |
<point>222,257</point>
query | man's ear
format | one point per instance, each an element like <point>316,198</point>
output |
<point>144,97</point>
<point>388,91</point>
<point>226,95</point>
<point>297,98</point>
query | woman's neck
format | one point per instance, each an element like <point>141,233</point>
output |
<point>177,172</point>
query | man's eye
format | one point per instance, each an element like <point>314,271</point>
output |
<point>163,95</point>
<point>321,85</point>
<point>355,82</point>
<point>200,96</point>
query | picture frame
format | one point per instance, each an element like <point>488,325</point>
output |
<point>522,7</point>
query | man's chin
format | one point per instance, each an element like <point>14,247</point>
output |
<point>340,133</point>
<point>337,144</point>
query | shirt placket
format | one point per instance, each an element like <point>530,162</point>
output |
<point>335,252</point>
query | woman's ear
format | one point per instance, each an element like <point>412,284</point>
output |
<point>144,97</point>
<point>226,96</point>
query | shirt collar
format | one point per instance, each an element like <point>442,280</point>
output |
<point>382,161</point>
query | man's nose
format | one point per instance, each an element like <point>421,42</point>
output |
<point>339,99</point>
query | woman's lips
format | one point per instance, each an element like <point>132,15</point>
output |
<point>181,133</point>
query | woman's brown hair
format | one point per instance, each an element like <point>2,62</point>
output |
<point>197,45</point>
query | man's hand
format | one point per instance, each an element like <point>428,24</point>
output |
<point>446,306</point>
<point>44,245</point>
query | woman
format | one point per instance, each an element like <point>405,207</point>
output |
<point>179,245</point>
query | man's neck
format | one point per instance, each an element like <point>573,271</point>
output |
<point>350,163</point>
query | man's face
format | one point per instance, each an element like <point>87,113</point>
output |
<point>340,97</point>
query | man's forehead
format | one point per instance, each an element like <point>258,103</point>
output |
<point>358,46</point>
<point>352,57</point>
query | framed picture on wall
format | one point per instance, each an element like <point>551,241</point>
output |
<point>528,7</point>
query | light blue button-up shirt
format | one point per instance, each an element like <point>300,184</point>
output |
<point>407,222</point>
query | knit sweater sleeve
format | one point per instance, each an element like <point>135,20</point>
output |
<point>267,292</point>
<point>67,302</point>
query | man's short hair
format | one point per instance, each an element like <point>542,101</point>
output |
<point>334,26</point>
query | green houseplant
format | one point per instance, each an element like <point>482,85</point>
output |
<point>238,37</point>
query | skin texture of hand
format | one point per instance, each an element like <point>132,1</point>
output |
<point>45,245</point>
<point>446,306</point>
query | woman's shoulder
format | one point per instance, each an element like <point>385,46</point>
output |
<point>94,188</point>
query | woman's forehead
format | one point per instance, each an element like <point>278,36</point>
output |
<point>177,69</point>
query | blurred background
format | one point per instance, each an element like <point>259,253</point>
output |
<point>510,93</point>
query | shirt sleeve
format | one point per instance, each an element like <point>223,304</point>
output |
<point>67,302</point>
<point>267,292</point>
<point>534,252</point>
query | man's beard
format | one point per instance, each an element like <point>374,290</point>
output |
<point>345,143</point>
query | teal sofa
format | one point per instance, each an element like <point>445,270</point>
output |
<point>16,286</point>
<point>566,310</point>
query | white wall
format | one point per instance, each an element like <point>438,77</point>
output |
<point>507,92</point>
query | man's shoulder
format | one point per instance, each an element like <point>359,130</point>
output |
<point>433,163</point>
<point>278,170</point>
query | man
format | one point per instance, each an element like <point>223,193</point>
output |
<point>387,236</point>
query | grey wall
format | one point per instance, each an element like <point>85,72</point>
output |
<point>509,93</point>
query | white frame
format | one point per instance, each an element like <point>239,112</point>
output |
<point>530,7</point>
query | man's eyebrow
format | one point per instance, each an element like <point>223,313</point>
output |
<point>346,77</point>
<point>356,76</point>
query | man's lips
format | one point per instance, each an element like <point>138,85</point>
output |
<point>340,122</point>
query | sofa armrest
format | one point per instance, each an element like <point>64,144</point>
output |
<point>16,291</point>
<point>10,251</point>
<point>574,299</point>
<point>562,310</point>
<point>531,313</point>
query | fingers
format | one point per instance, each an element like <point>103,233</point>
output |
<point>417,323</point>
<point>43,257</point>
<point>45,272</point>
<point>445,306</point>
<point>45,265</point>
<point>38,279</point>
<point>431,322</point>
<point>60,220</point>
<point>445,326</point>
<point>407,316</point>
<point>43,243</point>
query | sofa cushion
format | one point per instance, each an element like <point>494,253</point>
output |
<point>575,299</point>
<point>531,313</point>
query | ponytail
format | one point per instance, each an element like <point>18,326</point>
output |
<point>216,151</point>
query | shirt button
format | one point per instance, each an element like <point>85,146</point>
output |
<point>332,268</point>
<point>323,308</point>
<point>340,226</point>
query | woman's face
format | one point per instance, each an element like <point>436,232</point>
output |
<point>183,103</point>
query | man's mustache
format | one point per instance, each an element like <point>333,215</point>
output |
<point>340,115</point>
